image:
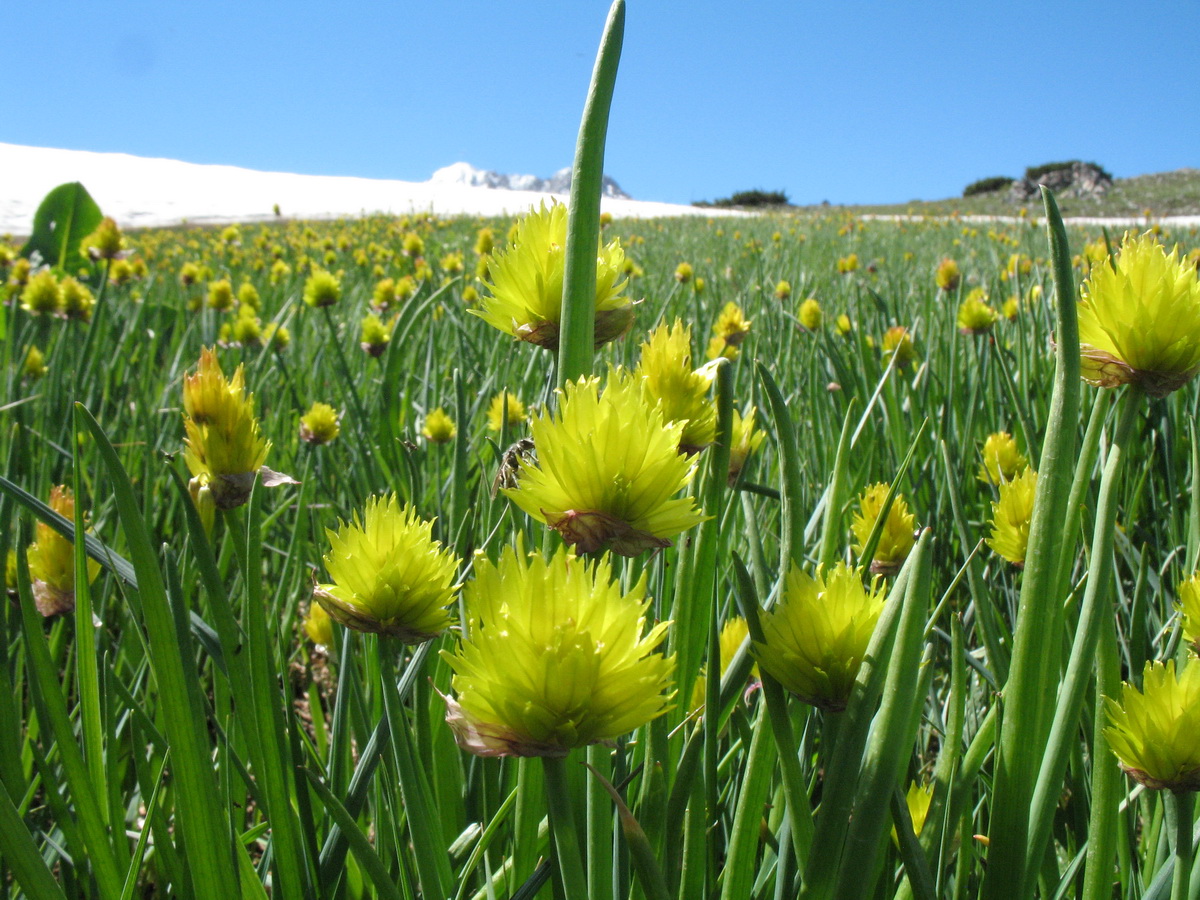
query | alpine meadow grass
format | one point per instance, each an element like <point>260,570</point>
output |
<point>758,556</point>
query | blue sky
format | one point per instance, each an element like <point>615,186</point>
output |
<point>850,102</point>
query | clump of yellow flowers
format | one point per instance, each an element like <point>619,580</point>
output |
<point>553,657</point>
<point>52,560</point>
<point>225,449</point>
<point>525,283</point>
<point>1155,732</point>
<point>896,540</point>
<point>608,469</point>
<point>1139,321</point>
<point>389,575</point>
<point>816,636</point>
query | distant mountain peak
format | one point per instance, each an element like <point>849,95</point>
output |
<point>559,183</point>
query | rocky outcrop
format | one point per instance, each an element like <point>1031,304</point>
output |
<point>558,183</point>
<point>1078,179</point>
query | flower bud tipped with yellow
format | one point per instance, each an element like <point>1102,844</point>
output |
<point>52,560</point>
<point>439,427</point>
<point>847,264</point>
<point>322,289</point>
<point>665,368</point>
<point>1002,461</point>
<point>608,468</point>
<point>917,800</point>
<point>1139,321</point>
<point>525,283</point>
<point>816,636</point>
<point>896,540</point>
<point>684,272</point>
<point>320,424</point>
<point>1011,517</point>
<point>1155,732</point>
<point>389,575</point>
<point>733,634</point>
<point>225,449</point>
<point>554,656</point>
<point>783,290</point>
<point>34,366</point>
<point>947,275</point>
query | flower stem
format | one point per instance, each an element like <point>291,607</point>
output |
<point>562,827</point>
<point>1179,809</point>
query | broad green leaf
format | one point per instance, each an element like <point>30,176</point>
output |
<point>65,217</point>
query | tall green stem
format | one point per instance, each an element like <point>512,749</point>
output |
<point>1179,808</point>
<point>562,827</point>
<point>576,343</point>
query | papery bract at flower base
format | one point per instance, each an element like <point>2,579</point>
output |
<point>553,657</point>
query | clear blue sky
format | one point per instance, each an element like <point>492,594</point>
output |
<point>851,102</point>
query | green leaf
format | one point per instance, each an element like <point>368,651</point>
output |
<point>65,217</point>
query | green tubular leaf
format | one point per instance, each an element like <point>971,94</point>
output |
<point>21,855</point>
<point>206,836</point>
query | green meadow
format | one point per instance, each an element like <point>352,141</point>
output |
<point>885,629</point>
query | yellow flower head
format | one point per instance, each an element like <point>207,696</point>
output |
<point>322,289</point>
<point>52,560</point>
<point>1155,732</point>
<point>666,370</point>
<point>485,241</point>
<point>947,275</point>
<point>505,408</point>
<point>732,325</point>
<point>77,300</point>
<point>248,297</point>
<point>1188,608</point>
<point>1011,307</point>
<point>389,575</point>
<point>733,633</point>
<point>1011,515</point>
<point>526,283</point>
<point>105,242</point>
<point>320,424</point>
<point>220,295</point>
<point>608,468</point>
<point>276,337</point>
<point>974,314</point>
<point>897,340</point>
<point>42,294</point>
<point>189,274</point>
<point>1139,322</point>
<point>816,636</point>
<point>375,335</point>
<point>553,657</point>
<point>35,364</point>
<point>745,439</point>
<point>783,290</point>
<point>439,427</point>
<point>810,314</point>
<point>896,540</point>
<point>412,244</point>
<point>847,264</point>
<point>318,626</point>
<point>1002,461</point>
<point>225,449</point>
<point>683,272</point>
<point>384,295</point>
<point>843,325</point>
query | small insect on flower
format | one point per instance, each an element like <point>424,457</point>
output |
<point>554,656</point>
<point>1155,732</point>
<point>510,464</point>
